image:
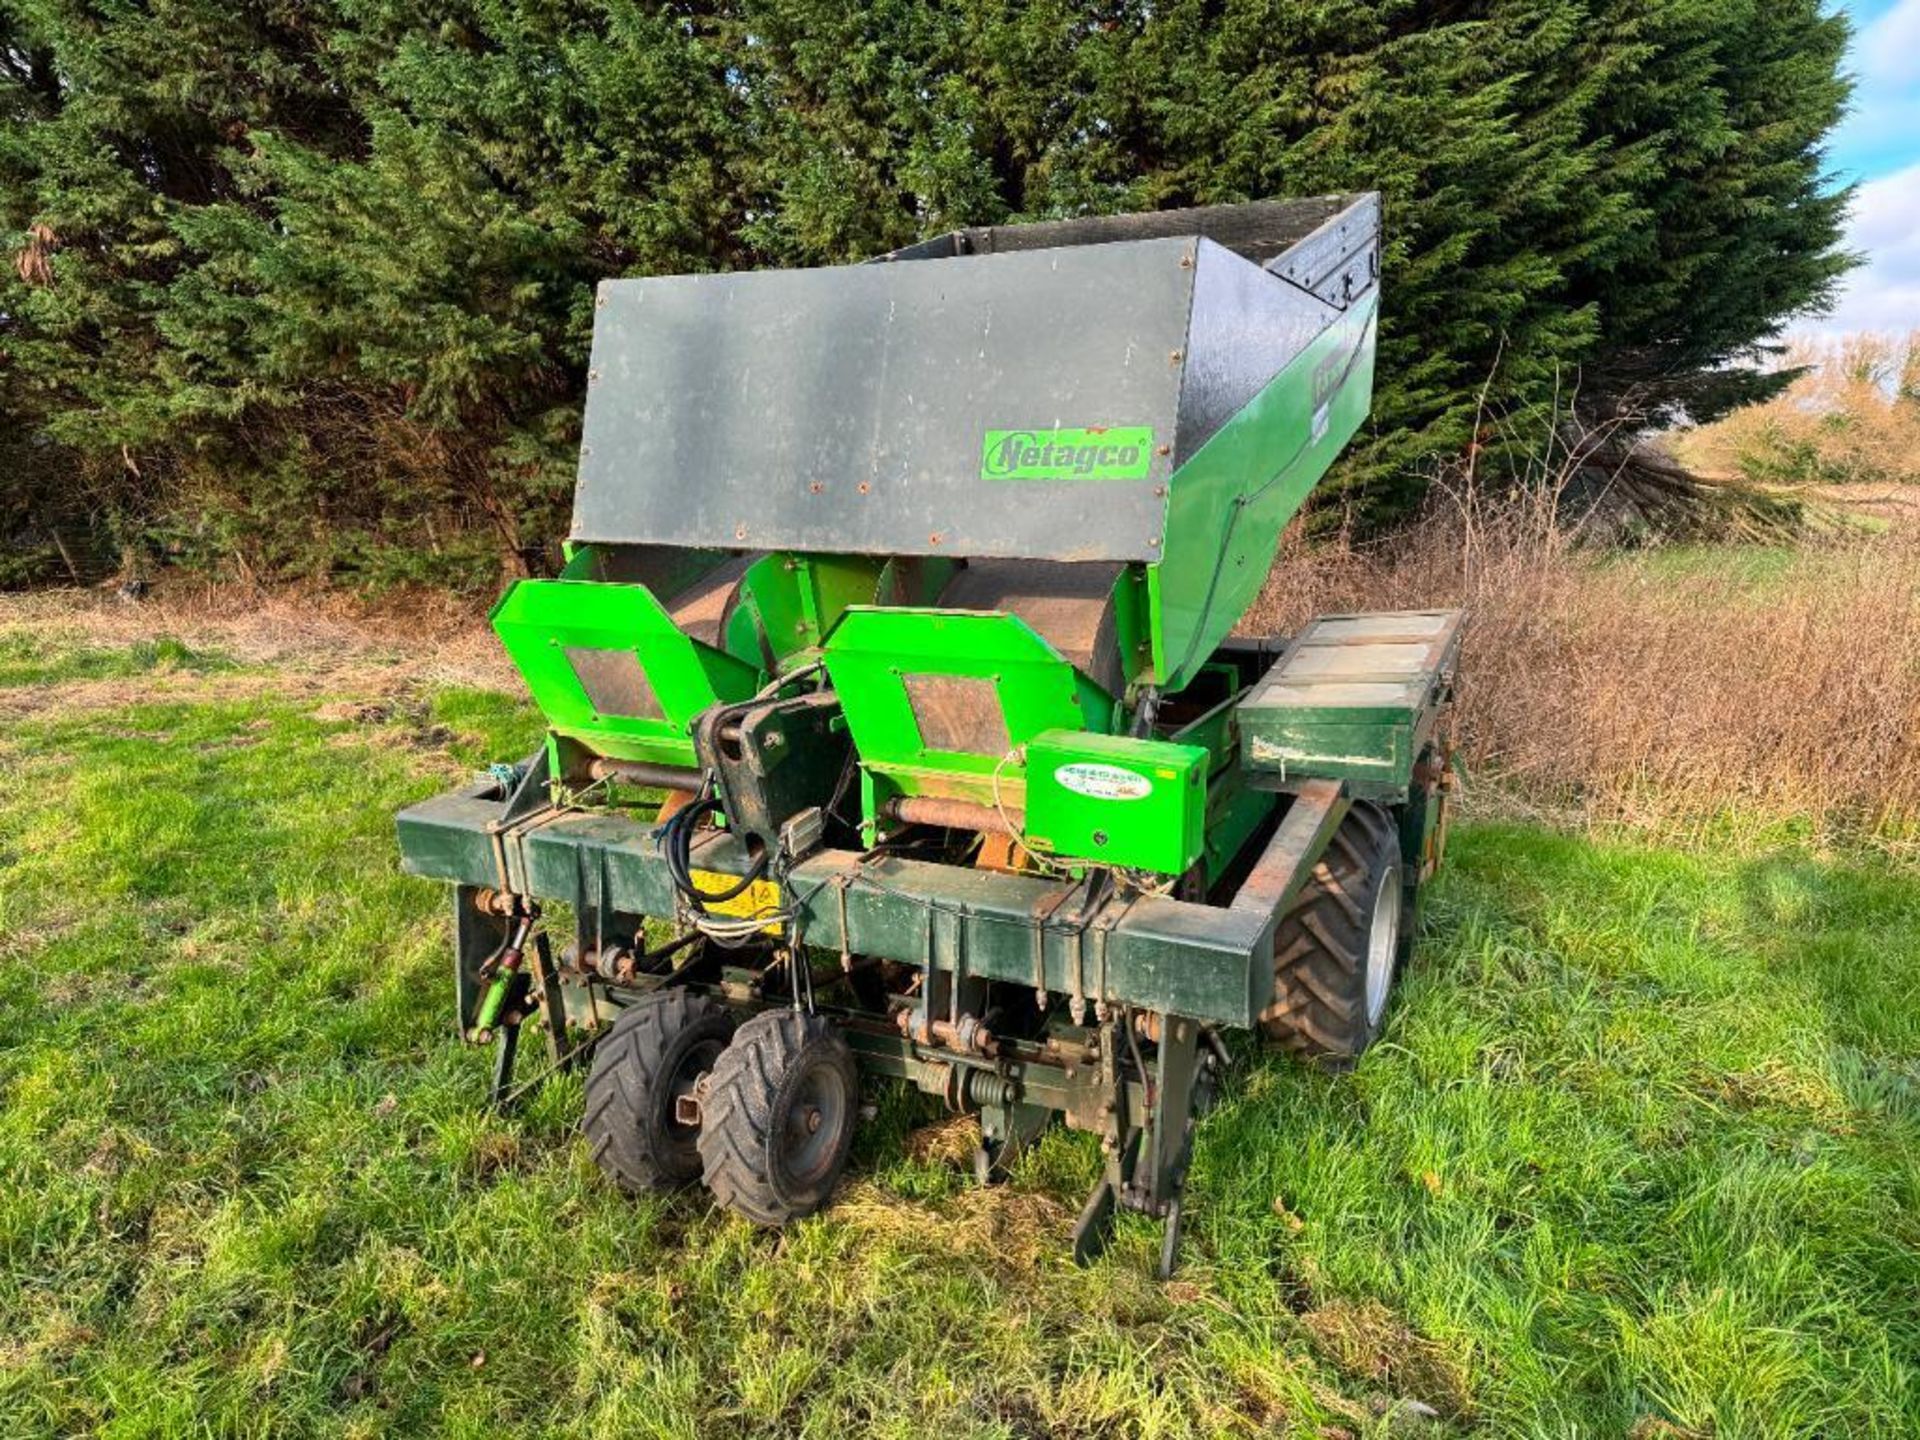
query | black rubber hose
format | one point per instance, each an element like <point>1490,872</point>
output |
<point>677,845</point>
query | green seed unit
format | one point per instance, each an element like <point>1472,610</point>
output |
<point>897,723</point>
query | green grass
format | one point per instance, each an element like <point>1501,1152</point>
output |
<point>1754,570</point>
<point>1642,1145</point>
<point>38,657</point>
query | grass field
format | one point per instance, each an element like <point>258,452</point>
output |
<point>1640,1155</point>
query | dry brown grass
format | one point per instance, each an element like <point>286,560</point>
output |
<point>1853,419</point>
<point>1679,691</point>
<point>1673,691</point>
<point>429,636</point>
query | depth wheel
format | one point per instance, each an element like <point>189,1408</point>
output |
<point>657,1050</point>
<point>777,1118</point>
<point>1338,947</point>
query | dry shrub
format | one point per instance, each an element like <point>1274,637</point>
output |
<point>1852,418</point>
<point>1669,690</point>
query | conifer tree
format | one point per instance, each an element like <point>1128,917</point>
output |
<point>310,284</point>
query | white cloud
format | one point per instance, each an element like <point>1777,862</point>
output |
<point>1884,114</point>
<point>1889,48</point>
<point>1881,132</point>
<point>1884,293</point>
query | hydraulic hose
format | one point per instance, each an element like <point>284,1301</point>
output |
<point>676,844</point>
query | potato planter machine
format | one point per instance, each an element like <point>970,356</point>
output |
<point>910,585</point>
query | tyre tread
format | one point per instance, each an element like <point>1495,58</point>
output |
<point>628,1065</point>
<point>736,1125</point>
<point>1318,1012</point>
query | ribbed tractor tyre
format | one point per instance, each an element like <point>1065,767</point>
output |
<point>1339,946</point>
<point>656,1051</point>
<point>776,1121</point>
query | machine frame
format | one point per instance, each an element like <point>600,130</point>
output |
<point>1032,855</point>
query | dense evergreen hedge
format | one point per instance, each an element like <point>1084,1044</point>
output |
<point>305,285</point>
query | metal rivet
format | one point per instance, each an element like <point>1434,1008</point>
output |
<point>1159,490</point>
<point>934,539</point>
<point>1163,449</point>
<point>1154,544</point>
<point>864,487</point>
<point>1176,356</point>
<point>593,377</point>
<point>739,532</point>
<point>815,488</point>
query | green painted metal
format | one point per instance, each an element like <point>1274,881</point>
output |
<point>830,447</point>
<point>874,652</point>
<point>1116,800</point>
<point>789,602</point>
<point>1228,504</point>
<point>546,624</point>
<point>785,607</point>
<point>496,999</point>
<point>1212,963</point>
<point>1354,698</point>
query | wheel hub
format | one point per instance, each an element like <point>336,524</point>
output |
<point>1383,944</point>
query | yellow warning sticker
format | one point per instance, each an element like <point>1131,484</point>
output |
<point>760,898</point>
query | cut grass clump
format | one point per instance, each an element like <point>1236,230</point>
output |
<point>1634,1157</point>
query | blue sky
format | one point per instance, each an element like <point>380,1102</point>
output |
<point>1879,146</point>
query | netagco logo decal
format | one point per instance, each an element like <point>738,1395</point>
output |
<point>1114,452</point>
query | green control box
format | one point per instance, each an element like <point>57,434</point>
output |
<point>1115,800</point>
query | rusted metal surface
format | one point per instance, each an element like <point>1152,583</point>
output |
<point>636,772</point>
<point>614,682</point>
<point>999,851</point>
<point>958,712</point>
<point>953,814</point>
<point>1070,606</point>
<point>965,1034</point>
<point>702,610</point>
<point>1304,833</point>
<point>674,802</point>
